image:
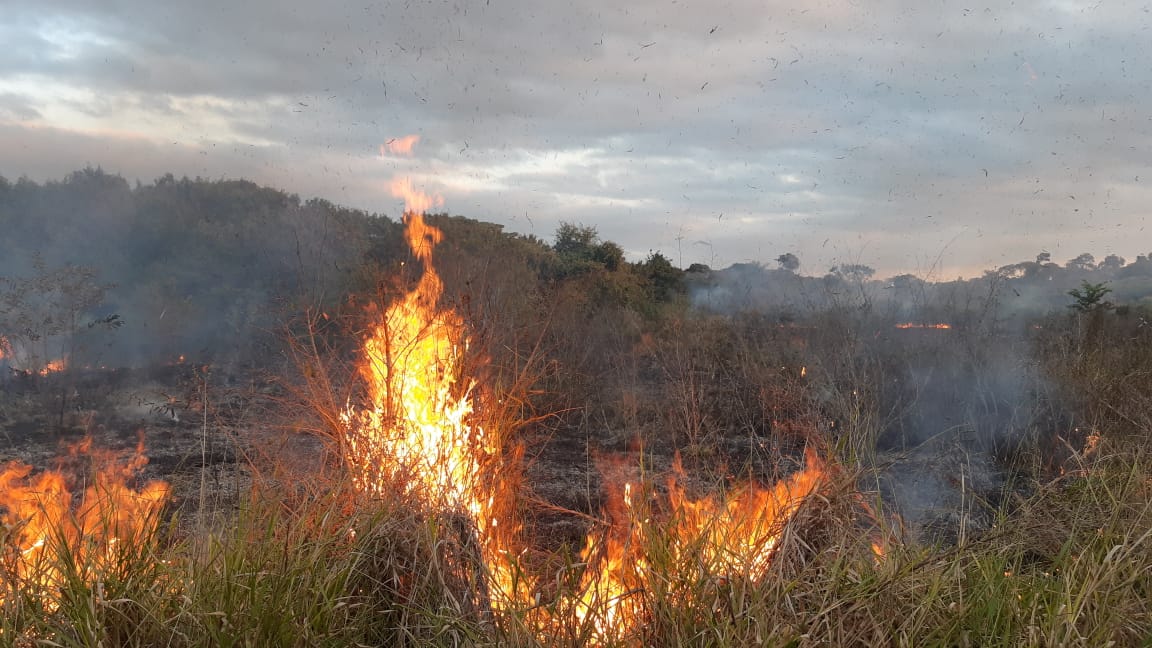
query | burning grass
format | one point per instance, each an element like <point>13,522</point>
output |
<point>421,538</point>
<point>57,530</point>
<point>324,573</point>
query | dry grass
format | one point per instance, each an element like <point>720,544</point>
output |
<point>1067,562</point>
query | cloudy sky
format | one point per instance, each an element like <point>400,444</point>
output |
<point>913,136</point>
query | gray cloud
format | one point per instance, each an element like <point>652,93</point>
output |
<point>891,132</point>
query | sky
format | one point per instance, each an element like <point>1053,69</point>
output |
<point>940,139</point>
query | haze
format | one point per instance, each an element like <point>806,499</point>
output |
<point>937,139</point>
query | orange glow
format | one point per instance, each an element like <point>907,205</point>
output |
<point>417,203</point>
<point>5,349</point>
<point>54,366</point>
<point>919,325</point>
<point>46,527</point>
<point>400,145</point>
<point>1091,443</point>
<point>878,550</point>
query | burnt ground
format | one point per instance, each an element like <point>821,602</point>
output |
<point>211,455</point>
<point>207,454</point>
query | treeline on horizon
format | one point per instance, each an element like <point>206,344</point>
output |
<point>209,269</point>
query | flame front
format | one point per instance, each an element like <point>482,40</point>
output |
<point>45,531</point>
<point>739,535</point>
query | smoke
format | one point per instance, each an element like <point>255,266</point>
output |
<point>200,269</point>
<point>947,373</point>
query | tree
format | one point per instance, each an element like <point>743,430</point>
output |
<point>906,282</point>
<point>580,250</point>
<point>40,315</point>
<point>608,254</point>
<point>576,240</point>
<point>789,262</point>
<point>1085,262</point>
<point>1089,297</point>
<point>42,321</point>
<point>664,279</point>
<point>1112,263</point>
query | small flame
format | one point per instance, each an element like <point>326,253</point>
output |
<point>921,325</point>
<point>400,145</point>
<point>878,550</point>
<point>54,366</point>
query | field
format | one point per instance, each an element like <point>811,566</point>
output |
<point>437,468</point>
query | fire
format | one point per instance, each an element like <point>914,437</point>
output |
<point>920,325</point>
<point>418,202</point>
<point>417,430</point>
<point>46,527</point>
<point>731,537</point>
<point>613,579</point>
<point>740,534</point>
<point>417,433</point>
<point>400,145</point>
<point>54,366</point>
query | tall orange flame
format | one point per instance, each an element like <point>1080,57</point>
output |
<point>417,203</point>
<point>417,431</point>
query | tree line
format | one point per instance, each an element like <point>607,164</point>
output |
<point>112,273</point>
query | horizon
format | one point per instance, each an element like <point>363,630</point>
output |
<point>913,139</point>
<point>933,276</point>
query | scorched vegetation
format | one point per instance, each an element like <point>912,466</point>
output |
<point>437,433</point>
